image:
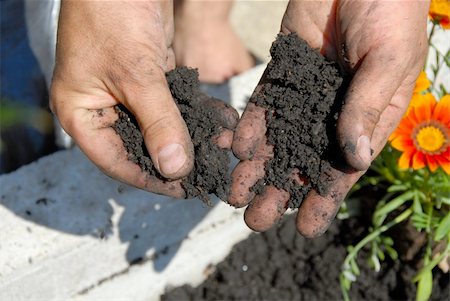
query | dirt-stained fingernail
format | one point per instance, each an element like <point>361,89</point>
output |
<point>171,159</point>
<point>363,149</point>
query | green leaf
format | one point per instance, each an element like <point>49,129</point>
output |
<point>417,206</point>
<point>443,229</point>
<point>394,204</point>
<point>445,200</point>
<point>354,267</point>
<point>345,283</point>
<point>375,262</point>
<point>420,220</point>
<point>345,287</point>
<point>349,275</point>
<point>430,265</point>
<point>392,252</point>
<point>396,188</point>
<point>387,240</point>
<point>380,255</point>
<point>424,286</point>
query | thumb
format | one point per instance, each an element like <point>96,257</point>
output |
<point>368,95</point>
<point>165,133</point>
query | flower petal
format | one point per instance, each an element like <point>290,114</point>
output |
<point>445,164</point>
<point>425,108</point>
<point>422,83</point>
<point>405,159</point>
<point>440,12</point>
<point>406,126</point>
<point>418,160</point>
<point>431,162</point>
<point>402,143</point>
<point>442,110</point>
<point>446,153</point>
<point>412,118</point>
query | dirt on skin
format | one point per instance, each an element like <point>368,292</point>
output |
<point>210,173</point>
<point>302,93</point>
<point>281,265</point>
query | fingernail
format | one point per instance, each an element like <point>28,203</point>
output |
<point>363,149</point>
<point>171,159</point>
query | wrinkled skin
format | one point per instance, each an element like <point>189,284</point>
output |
<point>382,45</point>
<point>111,53</point>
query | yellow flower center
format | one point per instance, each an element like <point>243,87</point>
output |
<point>430,138</point>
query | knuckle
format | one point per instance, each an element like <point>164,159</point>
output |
<point>371,115</point>
<point>158,126</point>
<point>136,68</point>
<point>63,113</point>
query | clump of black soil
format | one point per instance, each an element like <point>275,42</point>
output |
<point>281,265</point>
<point>303,94</point>
<point>210,173</point>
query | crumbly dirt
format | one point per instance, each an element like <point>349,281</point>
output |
<point>303,95</point>
<point>210,174</point>
<point>281,265</point>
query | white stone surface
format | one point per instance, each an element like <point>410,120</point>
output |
<point>92,228</point>
<point>69,232</point>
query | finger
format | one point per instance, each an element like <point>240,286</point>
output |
<point>367,97</point>
<point>224,139</point>
<point>266,209</point>
<point>98,140</point>
<point>227,116</point>
<point>165,133</point>
<point>247,173</point>
<point>317,212</point>
<point>249,131</point>
<point>244,176</point>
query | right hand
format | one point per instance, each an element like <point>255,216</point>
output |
<point>382,44</point>
<point>111,53</point>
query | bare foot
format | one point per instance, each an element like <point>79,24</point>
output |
<point>204,39</point>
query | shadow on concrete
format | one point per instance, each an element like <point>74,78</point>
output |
<point>67,193</point>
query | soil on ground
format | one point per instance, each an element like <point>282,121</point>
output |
<point>302,92</point>
<point>282,265</point>
<point>210,174</point>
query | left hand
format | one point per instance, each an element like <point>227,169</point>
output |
<point>382,45</point>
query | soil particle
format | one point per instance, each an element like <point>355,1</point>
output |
<point>282,265</point>
<point>210,173</point>
<point>302,93</point>
<point>44,201</point>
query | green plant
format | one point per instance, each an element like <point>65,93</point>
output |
<point>413,170</point>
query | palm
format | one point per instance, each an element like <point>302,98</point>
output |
<point>381,46</point>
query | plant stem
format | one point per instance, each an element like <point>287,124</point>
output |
<point>401,217</point>
<point>429,41</point>
<point>430,265</point>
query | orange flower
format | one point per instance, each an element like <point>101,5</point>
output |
<point>424,134</point>
<point>440,12</point>
<point>422,83</point>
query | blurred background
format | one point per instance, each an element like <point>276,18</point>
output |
<point>27,53</point>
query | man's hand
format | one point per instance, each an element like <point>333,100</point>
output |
<point>382,45</point>
<point>111,53</point>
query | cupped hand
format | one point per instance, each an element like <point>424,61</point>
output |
<point>111,53</point>
<point>381,45</point>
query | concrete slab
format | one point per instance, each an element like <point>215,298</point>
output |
<point>69,231</point>
<point>257,23</point>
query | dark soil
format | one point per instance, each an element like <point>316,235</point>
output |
<point>210,173</point>
<point>303,94</point>
<point>282,265</point>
